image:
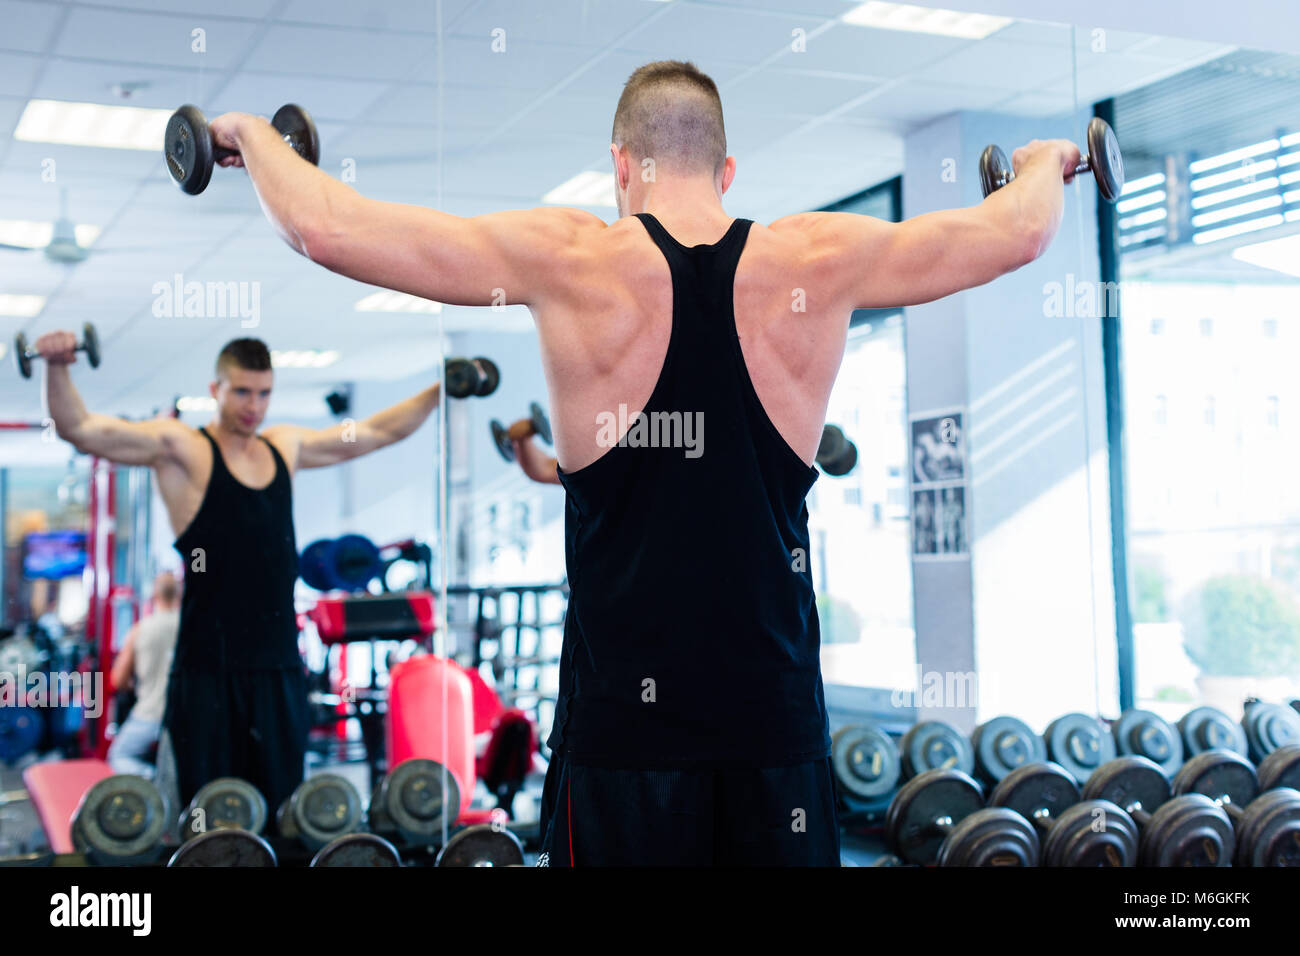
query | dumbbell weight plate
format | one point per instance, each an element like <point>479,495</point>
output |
<point>947,795</point>
<point>321,808</point>
<point>1281,768</point>
<point>1191,830</point>
<point>352,562</point>
<point>843,463</point>
<point>20,356</point>
<point>1129,782</point>
<point>90,344</point>
<point>501,438</point>
<point>994,169</point>
<point>1268,833</point>
<point>1092,833</point>
<point>462,377</point>
<point>1269,726</point>
<point>187,147</point>
<point>935,745</point>
<point>889,859</point>
<point>1220,775</point>
<point>1144,734</point>
<point>491,376</point>
<point>482,845</point>
<point>1208,728</point>
<point>1079,743</point>
<point>1003,744</point>
<point>832,444</point>
<point>1105,159</point>
<point>866,762</point>
<point>993,836</point>
<point>225,848</point>
<point>413,797</point>
<point>295,124</point>
<point>121,821</point>
<point>224,803</point>
<point>357,849</point>
<point>314,565</point>
<point>1036,790</point>
<point>541,424</point>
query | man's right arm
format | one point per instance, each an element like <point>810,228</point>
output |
<point>127,443</point>
<point>860,262</point>
<point>535,463</point>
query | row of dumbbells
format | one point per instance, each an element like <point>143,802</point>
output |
<point>869,765</point>
<point>123,821</point>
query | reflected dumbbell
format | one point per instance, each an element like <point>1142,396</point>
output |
<point>120,821</point>
<point>1080,743</point>
<point>482,845</point>
<point>535,424</point>
<point>1268,727</point>
<point>836,454</point>
<point>224,803</point>
<point>1267,828</point>
<point>926,810</point>
<point>1003,744</point>
<point>1142,733</point>
<point>357,849</point>
<point>1191,830</point>
<point>1103,160</point>
<point>415,801</point>
<point>477,377</point>
<point>191,153</point>
<point>935,745</point>
<point>1208,728</point>
<point>225,847</point>
<point>866,765</point>
<point>1281,768</point>
<point>320,809</point>
<point>24,356</point>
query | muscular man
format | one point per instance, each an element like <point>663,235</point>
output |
<point>237,697</point>
<point>145,661</point>
<point>689,358</point>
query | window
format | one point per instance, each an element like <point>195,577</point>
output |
<point>1270,412</point>
<point>1207,328</point>
<point>1157,326</point>
<point>1209,410</point>
<point>1162,410</point>
<point>1270,328</point>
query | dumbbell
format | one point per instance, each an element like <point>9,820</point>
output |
<point>1267,828</point>
<point>935,745</point>
<point>1267,727</point>
<point>482,845</point>
<point>866,766</point>
<point>1001,745</point>
<point>225,847</point>
<point>320,809</point>
<point>1103,159</point>
<point>836,455</point>
<point>1074,833</point>
<point>24,356</point>
<point>120,821</point>
<point>1144,734</point>
<point>191,154</point>
<point>536,424</point>
<point>1208,728</point>
<point>1191,830</point>
<point>224,803</point>
<point>1080,743</point>
<point>1281,768</point>
<point>926,810</point>
<point>414,801</point>
<point>357,849</point>
<point>477,377</point>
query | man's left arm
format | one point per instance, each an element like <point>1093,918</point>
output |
<point>516,257</point>
<point>310,448</point>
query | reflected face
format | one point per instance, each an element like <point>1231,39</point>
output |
<point>242,399</point>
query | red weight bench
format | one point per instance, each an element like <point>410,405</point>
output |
<point>366,617</point>
<point>56,789</point>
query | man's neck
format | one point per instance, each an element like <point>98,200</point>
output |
<point>229,439</point>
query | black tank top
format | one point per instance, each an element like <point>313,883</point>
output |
<point>241,561</point>
<point>692,634</point>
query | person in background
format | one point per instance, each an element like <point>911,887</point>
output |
<point>146,661</point>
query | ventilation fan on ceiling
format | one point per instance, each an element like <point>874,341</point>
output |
<point>63,246</point>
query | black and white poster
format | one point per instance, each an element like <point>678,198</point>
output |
<point>938,484</point>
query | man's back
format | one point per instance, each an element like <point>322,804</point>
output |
<point>155,643</point>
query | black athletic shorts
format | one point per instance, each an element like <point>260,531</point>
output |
<point>767,816</point>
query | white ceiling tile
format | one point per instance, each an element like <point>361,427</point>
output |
<point>993,62</point>
<point>18,72</point>
<point>28,26</point>
<point>400,16</point>
<point>888,54</point>
<point>690,32</point>
<point>790,91</point>
<point>915,101</point>
<point>588,116</point>
<point>154,39</point>
<point>521,66</point>
<point>253,9</point>
<point>95,82</point>
<point>325,51</point>
<point>326,99</point>
<point>577,22</point>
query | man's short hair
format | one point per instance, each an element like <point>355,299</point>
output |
<point>166,588</point>
<point>249,354</point>
<point>672,113</point>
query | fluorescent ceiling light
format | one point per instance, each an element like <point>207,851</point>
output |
<point>196,403</point>
<point>36,235</point>
<point>585,189</point>
<point>903,16</point>
<point>21,306</point>
<point>1144,182</point>
<point>304,358</point>
<point>90,124</point>
<point>397,302</point>
<point>1280,255</point>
